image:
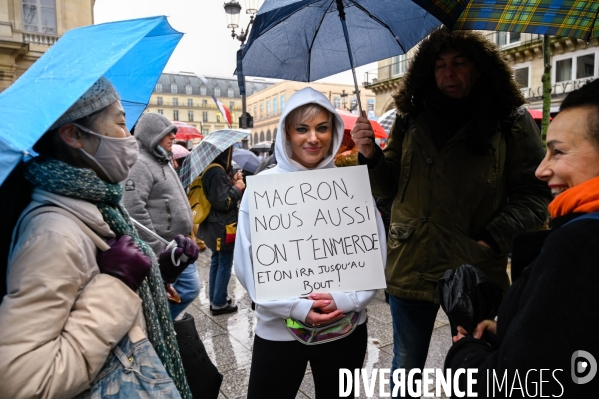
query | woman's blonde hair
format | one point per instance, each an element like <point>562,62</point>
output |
<point>305,113</point>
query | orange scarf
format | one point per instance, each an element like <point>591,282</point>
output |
<point>583,198</point>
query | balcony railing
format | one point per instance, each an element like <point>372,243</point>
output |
<point>386,72</point>
<point>36,38</point>
<point>507,40</point>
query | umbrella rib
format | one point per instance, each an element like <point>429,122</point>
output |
<point>324,14</point>
<point>378,21</point>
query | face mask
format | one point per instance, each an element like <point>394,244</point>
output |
<point>115,157</point>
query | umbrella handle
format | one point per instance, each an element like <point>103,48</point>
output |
<point>341,11</point>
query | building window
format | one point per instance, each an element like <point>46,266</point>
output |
<point>578,66</point>
<point>261,109</point>
<point>255,138</point>
<point>337,103</point>
<point>217,91</point>
<point>190,116</point>
<point>188,89</point>
<point>268,109</point>
<point>39,16</point>
<point>175,101</point>
<point>268,136</point>
<point>159,100</point>
<point>159,88</point>
<point>190,102</point>
<point>282,102</point>
<point>507,38</point>
<point>399,65</point>
<point>174,88</point>
<point>204,103</point>
<point>353,105</point>
<point>205,132</point>
<point>229,92</point>
<point>255,114</point>
<point>522,78</point>
<point>370,105</point>
<point>218,118</point>
<point>231,105</point>
<point>261,136</point>
<point>274,106</point>
<point>161,112</point>
<point>205,116</point>
<point>175,115</point>
<point>203,90</point>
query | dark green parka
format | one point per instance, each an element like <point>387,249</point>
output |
<point>447,199</point>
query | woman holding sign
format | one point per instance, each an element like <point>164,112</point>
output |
<point>288,330</point>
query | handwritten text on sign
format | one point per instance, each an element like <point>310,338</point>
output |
<point>314,231</point>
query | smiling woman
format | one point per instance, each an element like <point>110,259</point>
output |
<point>309,134</point>
<point>557,293</point>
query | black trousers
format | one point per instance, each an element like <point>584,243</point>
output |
<point>278,367</point>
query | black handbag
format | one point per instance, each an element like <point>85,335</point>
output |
<point>203,377</point>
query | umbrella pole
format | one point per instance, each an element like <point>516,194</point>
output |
<point>341,11</point>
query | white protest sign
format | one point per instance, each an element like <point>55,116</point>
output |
<point>314,231</point>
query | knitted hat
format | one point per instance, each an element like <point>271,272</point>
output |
<point>100,95</point>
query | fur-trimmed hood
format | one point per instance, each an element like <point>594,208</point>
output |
<point>502,95</point>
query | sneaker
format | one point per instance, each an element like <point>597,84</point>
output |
<point>228,309</point>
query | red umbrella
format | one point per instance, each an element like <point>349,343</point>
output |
<point>349,120</point>
<point>537,114</point>
<point>187,132</point>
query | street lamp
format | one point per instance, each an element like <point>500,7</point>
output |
<point>233,11</point>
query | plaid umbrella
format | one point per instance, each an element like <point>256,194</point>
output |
<point>570,18</point>
<point>208,149</point>
<point>386,120</point>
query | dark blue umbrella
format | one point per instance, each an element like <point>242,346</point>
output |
<point>306,40</point>
<point>246,159</point>
<point>131,54</point>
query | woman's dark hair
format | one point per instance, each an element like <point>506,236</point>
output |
<point>586,97</point>
<point>224,159</point>
<point>51,145</point>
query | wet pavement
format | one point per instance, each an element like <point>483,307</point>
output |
<point>229,338</point>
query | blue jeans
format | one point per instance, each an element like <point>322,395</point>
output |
<point>220,273</point>
<point>132,370</point>
<point>188,286</point>
<point>413,323</point>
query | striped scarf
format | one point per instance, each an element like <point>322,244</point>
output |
<point>60,178</point>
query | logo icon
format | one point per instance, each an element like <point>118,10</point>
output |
<point>583,367</point>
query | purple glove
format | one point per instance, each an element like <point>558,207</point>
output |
<point>125,261</point>
<point>173,260</point>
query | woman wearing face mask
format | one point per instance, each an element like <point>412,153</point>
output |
<point>69,304</point>
<point>547,324</point>
<point>311,135</point>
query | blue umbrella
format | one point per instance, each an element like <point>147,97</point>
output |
<point>306,40</point>
<point>131,54</point>
<point>246,159</point>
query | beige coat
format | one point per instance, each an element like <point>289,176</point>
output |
<point>61,316</point>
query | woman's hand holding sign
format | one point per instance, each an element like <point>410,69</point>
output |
<point>363,136</point>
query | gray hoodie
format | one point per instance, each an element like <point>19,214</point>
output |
<point>271,313</point>
<point>153,194</point>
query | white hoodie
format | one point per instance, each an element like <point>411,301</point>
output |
<point>270,314</point>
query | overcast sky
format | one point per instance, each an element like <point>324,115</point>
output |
<point>207,47</point>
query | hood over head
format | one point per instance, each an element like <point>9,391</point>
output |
<point>499,92</point>
<point>150,129</point>
<point>283,151</point>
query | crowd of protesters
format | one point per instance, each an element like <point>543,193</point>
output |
<point>463,180</point>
